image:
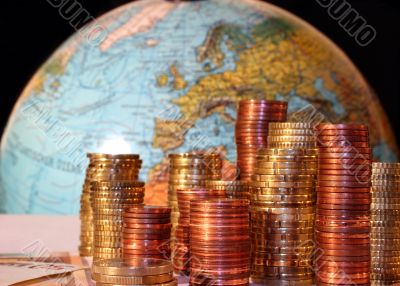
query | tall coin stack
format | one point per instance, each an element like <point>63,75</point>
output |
<point>251,130</point>
<point>343,205</point>
<point>187,171</point>
<point>146,232</point>
<point>385,219</point>
<point>138,271</point>
<point>182,255</point>
<point>291,135</point>
<point>102,167</point>
<point>282,210</point>
<point>219,242</point>
<point>232,189</point>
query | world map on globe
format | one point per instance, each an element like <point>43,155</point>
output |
<point>166,78</point>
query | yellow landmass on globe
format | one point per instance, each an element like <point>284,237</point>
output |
<point>170,133</point>
<point>162,80</point>
<point>179,81</point>
<point>290,62</point>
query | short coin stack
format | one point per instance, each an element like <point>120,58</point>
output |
<point>343,204</point>
<point>251,130</point>
<point>102,167</point>
<point>146,232</point>
<point>181,257</point>
<point>187,171</point>
<point>292,135</point>
<point>385,219</point>
<point>282,211</point>
<point>109,199</point>
<point>232,189</point>
<point>139,271</point>
<point>219,242</point>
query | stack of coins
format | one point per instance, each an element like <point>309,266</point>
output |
<point>109,199</point>
<point>138,271</point>
<point>219,242</point>
<point>385,220</point>
<point>102,167</point>
<point>187,171</point>
<point>343,204</point>
<point>232,189</point>
<point>181,257</point>
<point>146,232</point>
<point>251,130</point>
<point>282,211</point>
<point>291,135</point>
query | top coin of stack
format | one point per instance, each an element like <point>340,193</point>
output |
<point>232,189</point>
<point>138,271</point>
<point>102,167</point>
<point>343,204</point>
<point>251,130</point>
<point>291,135</point>
<point>187,171</point>
<point>282,210</point>
<point>385,220</point>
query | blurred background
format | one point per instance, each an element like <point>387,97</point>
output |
<point>34,29</point>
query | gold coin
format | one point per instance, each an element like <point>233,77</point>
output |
<point>148,279</point>
<point>290,125</point>
<point>133,267</point>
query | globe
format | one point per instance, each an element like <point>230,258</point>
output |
<point>156,77</point>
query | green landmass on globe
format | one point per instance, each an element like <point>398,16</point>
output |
<point>167,78</point>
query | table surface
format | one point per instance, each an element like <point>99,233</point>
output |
<point>19,233</point>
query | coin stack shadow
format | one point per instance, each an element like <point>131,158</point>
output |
<point>219,242</point>
<point>232,189</point>
<point>187,171</point>
<point>182,253</point>
<point>251,130</point>
<point>282,207</point>
<point>137,271</point>
<point>146,232</point>
<point>114,186</point>
<point>343,205</point>
<point>385,219</point>
<point>102,167</point>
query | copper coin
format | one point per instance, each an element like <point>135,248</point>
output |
<point>346,156</point>
<point>141,251</point>
<point>324,235</point>
<point>349,149</point>
<point>331,246</point>
<point>345,143</point>
<point>347,126</point>
<point>328,195</point>
<point>145,216</point>
<point>366,258</point>
<point>147,221</point>
<point>336,132</point>
<point>346,252</point>
<point>345,184</point>
<point>348,138</point>
<point>242,255</point>
<point>343,281</point>
<point>350,178</point>
<point>343,213</point>
<point>144,243</point>
<point>354,168</point>
<point>345,242</point>
<point>151,226</point>
<point>346,276</point>
<point>343,264</point>
<point>323,200</point>
<point>333,189</point>
<point>345,161</point>
<point>127,235</point>
<point>364,207</point>
<point>349,270</point>
<point>162,231</point>
<point>358,173</point>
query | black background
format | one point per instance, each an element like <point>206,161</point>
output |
<point>33,30</point>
